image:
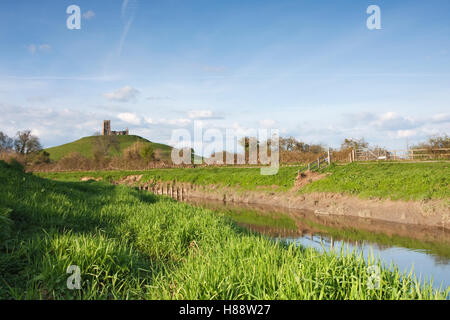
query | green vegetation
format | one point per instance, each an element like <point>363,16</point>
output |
<point>134,245</point>
<point>85,146</point>
<point>406,181</point>
<point>243,178</point>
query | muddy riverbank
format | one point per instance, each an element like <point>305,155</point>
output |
<point>433,213</point>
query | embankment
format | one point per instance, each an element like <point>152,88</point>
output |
<point>433,213</point>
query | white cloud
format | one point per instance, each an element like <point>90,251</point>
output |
<point>200,114</point>
<point>159,98</point>
<point>267,123</point>
<point>124,94</point>
<point>89,14</point>
<point>393,121</point>
<point>128,117</point>
<point>171,122</point>
<point>203,114</point>
<point>406,133</point>
<point>53,126</point>
<point>441,118</point>
<point>150,120</point>
<point>179,121</point>
<point>38,99</point>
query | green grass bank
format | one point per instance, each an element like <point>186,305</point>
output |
<point>395,181</point>
<point>134,245</point>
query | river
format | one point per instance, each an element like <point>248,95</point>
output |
<point>424,250</point>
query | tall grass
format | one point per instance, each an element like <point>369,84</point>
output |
<point>134,245</point>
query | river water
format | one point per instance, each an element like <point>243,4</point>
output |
<point>424,250</point>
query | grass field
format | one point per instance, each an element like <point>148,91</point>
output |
<point>134,245</point>
<point>406,181</point>
<point>242,178</point>
<point>84,146</point>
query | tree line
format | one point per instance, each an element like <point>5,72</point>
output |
<point>23,142</point>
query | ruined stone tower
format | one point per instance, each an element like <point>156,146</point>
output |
<point>106,127</point>
<point>107,130</point>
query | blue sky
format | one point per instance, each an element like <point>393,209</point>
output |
<point>309,68</point>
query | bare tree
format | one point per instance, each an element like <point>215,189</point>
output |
<point>435,146</point>
<point>438,142</point>
<point>26,143</point>
<point>354,144</point>
<point>292,144</point>
<point>6,143</point>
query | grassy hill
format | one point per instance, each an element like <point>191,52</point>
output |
<point>85,147</point>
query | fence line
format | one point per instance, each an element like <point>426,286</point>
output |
<point>411,154</point>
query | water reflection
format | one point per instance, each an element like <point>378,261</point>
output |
<point>425,249</point>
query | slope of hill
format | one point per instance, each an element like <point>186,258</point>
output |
<point>85,147</point>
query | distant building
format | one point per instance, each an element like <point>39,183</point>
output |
<point>107,130</point>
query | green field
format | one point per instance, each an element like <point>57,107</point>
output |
<point>241,178</point>
<point>84,146</point>
<point>133,245</point>
<point>406,181</point>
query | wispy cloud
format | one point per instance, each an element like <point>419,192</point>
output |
<point>128,10</point>
<point>44,47</point>
<point>124,94</point>
<point>33,48</point>
<point>89,15</point>
<point>68,78</point>
<point>154,98</point>
<point>124,7</point>
<point>177,122</point>
<point>204,114</point>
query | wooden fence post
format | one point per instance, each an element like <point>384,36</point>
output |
<point>329,156</point>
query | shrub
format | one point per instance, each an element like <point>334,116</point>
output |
<point>133,152</point>
<point>147,152</point>
<point>39,158</point>
<point>74,161</point>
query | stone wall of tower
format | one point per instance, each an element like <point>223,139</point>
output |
<point>108,132</point>
<point>106,128</point>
